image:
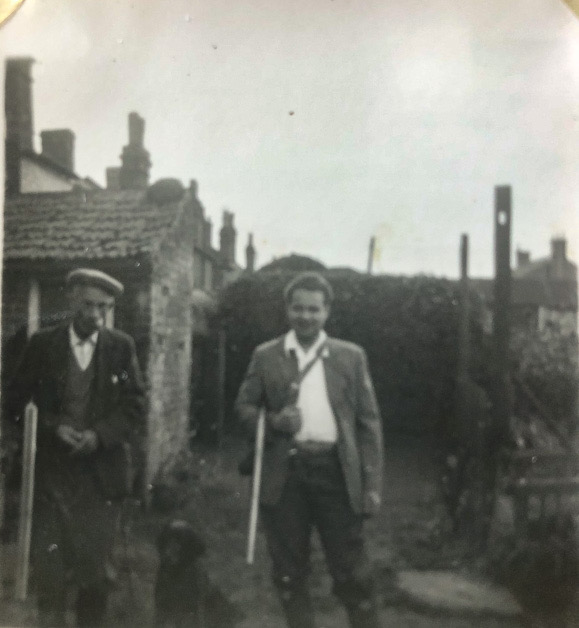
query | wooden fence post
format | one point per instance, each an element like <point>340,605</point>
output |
<point>502,310</point>
<point>371,251</point>
<point>464,313</point>
<point>221,366</point>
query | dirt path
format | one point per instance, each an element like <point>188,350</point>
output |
<point>410,533</point>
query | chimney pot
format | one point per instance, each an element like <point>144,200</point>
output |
<point>523,258</point>
<point>250,255</point>
<point>18,102</point>
<point>113,175</point>
<point>135,159</point>
<point>227,237</point>
<point>559,249</point>
<point>19,119</point>
<point>58,146</point>
<point>136,129</point>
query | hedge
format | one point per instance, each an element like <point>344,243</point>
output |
<point>407,325</point>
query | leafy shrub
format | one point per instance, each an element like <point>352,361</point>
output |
<point>546,361</point>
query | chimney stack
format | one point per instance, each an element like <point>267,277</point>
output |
<point>523,258</point>
<point>227,237</point>
<point>58,146</point>
<point>18,102</point>
<point>207,231</point>
<point>559,249</point>
<point>136,162</point>
<point>113,175</point>
<point>250,255</point>
<point>19,118</point>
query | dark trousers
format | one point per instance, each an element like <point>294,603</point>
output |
<point>73,533</point>
<point>315,496</point>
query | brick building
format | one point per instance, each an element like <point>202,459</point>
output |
<point>155,238</point>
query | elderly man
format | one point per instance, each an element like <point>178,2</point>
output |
<point>86,383</point>
<point>322,462</point>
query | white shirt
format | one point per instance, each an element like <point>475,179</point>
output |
<point>318,421</point>
<point>82,349</point>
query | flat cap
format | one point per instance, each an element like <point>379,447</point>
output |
<point>96,278</point>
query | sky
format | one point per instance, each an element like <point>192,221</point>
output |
<point>322,123</point>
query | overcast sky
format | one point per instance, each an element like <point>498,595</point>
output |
<point>323,122</point>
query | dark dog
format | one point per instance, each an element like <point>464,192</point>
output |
<point>185,597</point>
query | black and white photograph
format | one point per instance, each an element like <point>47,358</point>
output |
<point>289,314</point>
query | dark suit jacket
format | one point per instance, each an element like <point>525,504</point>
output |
<point>351,394</point>
<point>117,410</point>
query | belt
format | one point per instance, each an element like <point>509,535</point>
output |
<point>312,448</point>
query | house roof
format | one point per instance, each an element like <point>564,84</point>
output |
<point>556,294</point>
<point>84,224</point>
<point>536,267</point>
<point>48,164</point>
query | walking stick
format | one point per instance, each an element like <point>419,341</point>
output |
<point>256,485</point>
<point>26,501</point>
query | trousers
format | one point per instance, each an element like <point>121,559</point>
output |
<point>73,533</point>
<point>315,496</point>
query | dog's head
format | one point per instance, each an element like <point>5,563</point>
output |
<point>179,543</point>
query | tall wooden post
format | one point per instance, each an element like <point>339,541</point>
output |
<point>502,308</point>
<point>221,349</point>
<point>464,313</point>
<point>371,250</point>
<point>33,307</point>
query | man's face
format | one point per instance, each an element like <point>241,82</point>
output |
<point>90,306</point>
<point>307,314</point>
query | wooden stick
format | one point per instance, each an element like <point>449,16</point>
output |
<point>256,486</point>
<point>26,501</point>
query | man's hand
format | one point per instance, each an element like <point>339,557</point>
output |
<point>87,442</point>
<point>288,420</point>
<point>80,443</point>
<point>372,503</point>
<point>67,434</point>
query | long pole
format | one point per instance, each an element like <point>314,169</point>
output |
<point>221,349</point>
<point>256,486</point>
<point>26,501</point>
<point>371,250</point>
<point>502,301</point>
<point>464,313</point>
<point>28,463</point>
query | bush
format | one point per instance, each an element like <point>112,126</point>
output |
<point>546,362</point>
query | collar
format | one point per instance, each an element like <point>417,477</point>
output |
<point>291,343</point>
<point>75,341</point>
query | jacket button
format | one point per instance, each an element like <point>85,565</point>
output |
<point>293,451</point>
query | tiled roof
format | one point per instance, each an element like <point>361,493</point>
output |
<point>84,224</point>
<point>554,294</point>
<point>45,162</point>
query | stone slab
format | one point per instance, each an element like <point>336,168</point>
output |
<point>457,593</point>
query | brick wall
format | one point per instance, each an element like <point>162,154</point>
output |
<point>169,367</point>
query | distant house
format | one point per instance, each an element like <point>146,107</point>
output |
<point>52,170</point>
<point>544,292</point>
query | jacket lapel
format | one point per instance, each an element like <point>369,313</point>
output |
<point>60,355</point>
<point>286,370</point>
<point>102,360</point>
<point>334,379</point>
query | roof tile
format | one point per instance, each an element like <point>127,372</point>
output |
<point>100,224</point>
